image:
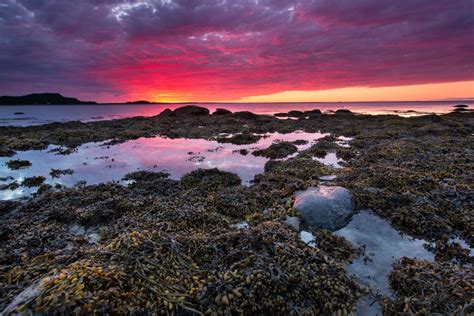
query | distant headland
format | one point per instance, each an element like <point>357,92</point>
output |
<point>139,102</point>
<point>41,98</point>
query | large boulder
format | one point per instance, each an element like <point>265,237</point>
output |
<point>245,115</point>
<point>344,112</point>
<point>329,207</point>
<point>165,113</point>
<point>315,112</point>
<point>220,111</point>
<point>191,110</point>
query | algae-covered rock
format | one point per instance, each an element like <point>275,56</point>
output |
<point>220,111</point>
<point>191,110</point>
<point>33,181</point>
<point>240,139</point>
<point>277,150</point>
<point>18,164</point>
<point>210,178</point>
<point>293,222</point>
<point>329,207</point>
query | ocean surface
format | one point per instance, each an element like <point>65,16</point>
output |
<point>26,115</point>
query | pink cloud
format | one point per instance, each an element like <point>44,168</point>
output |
<point>215,50</point>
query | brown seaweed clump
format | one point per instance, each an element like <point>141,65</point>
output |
<point>446,250</point>
<point>260,270</point>
<point>240,139</point>
<point>33,181</point>
<point>18,164</point>
<point>425,288</point>
<point>58,173</point>
<point>277,150</point>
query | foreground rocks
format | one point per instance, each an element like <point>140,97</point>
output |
<point>174,243</point>
<point>167,246</point>
<point>328,207</point>
<point>191,110</point>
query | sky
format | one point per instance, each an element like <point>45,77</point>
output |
<point>238,50</point>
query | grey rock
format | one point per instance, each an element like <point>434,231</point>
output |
<point>241,225</point>
<point>293,222</point>
<point>373,190</point>
<point>308,238</point>
<point>329,207</point>
<point>90,234</point>
<point>26,295</point>
<point>328,178</point>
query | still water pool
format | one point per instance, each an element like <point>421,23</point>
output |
<point>98,162</point>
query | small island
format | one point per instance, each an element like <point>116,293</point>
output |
<point>139,102</point>
<point>41,99</point>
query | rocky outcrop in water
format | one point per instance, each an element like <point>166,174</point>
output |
<point>220,111</point>
<point>329,207</point>
<point>191,110</point>
<point>344,112</point>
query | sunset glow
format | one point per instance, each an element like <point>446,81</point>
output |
<point>422,92</point>
<point>259,51</point>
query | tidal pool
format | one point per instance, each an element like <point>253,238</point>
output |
<point>383,246</point>
<point>98,163</point>
<point>330,160</point>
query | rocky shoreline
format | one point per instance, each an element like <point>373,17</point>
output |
<point>177,246</point>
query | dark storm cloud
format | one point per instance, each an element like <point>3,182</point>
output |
<point>211,49</point>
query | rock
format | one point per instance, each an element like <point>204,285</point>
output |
<point>245,115</point>
<point>18,164</point>
<point>292,114</point>
<point>240,139</point>
<point>295,113</point>
<point>26,295</point>
<point>241,225</point>
<point>19,113</point>
<point>293,222</point>
<point>277,150</point>
<point>372,190</point>
<point>315,112</point>
<point>220,111</point>
<point>90,234</point>
<point>33,181</point>
<point>344,111</point>
<point>300,142</point>
<point>462,110</point>
<point>191,110</point>
<point>460,106</point>
<point>166,112</point>
<point>328,178</point>
<point>329,207</point>
<point>308,238</point>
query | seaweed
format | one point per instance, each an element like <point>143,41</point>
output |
<point>18,164</point>
<point>423,287</point>
<point>33,181</point>
<point>277,150</point>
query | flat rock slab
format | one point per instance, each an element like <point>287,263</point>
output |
<point>329,207</point>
